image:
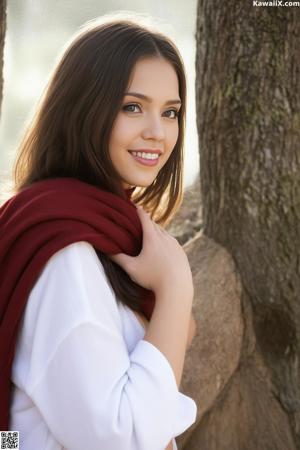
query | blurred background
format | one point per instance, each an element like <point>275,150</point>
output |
<point>38,29</point>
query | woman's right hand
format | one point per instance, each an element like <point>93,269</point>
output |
<point>162,263</point>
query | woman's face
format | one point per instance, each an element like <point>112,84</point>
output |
<point>147,123</point>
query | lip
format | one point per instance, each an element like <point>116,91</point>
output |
<point>147,150</point>
<point>143,161</point>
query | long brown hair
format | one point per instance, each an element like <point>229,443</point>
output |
<point>70,131</point>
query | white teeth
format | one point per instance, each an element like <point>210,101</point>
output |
<point>146,155</point>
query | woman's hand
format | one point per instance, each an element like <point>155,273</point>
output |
<point>162,263</point>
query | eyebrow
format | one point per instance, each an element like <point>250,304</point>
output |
<point>149,100</point>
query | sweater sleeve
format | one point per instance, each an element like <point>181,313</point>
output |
<point>90,391</point>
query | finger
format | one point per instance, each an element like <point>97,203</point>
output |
<point>128,263</point>
<point>121,259</point>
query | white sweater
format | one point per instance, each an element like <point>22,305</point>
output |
<point>83,377</point>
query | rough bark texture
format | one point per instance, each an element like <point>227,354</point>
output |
<point>2,38</point>
<point>248,117</point>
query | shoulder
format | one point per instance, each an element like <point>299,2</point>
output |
<point>73,284</point>
<point>73,254</point>
<point>77,261</point>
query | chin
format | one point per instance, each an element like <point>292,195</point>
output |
<point>143,184</point>
<point>138,182</point>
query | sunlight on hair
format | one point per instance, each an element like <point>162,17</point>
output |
<point>154,24</point>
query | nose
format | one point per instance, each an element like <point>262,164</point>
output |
<point>154,129</point>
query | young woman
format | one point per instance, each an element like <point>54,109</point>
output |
<point>96,297</point>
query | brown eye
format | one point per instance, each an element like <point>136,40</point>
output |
<point>173,113</point>
<point>131,107</point>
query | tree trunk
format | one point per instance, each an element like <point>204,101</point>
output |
<point>248,118</point>
<point>2,38</point>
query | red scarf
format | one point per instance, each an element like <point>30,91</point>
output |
<point>41,220</point>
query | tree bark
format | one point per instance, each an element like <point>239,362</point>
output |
<point>248,119</point>
<point>2,38</point>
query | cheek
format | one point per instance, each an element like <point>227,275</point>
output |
<point>122,132</point>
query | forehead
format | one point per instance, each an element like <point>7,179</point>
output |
<point>155,77</point>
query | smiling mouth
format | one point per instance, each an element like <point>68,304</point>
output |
<point>147,159</point>
<point>145,155</point>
